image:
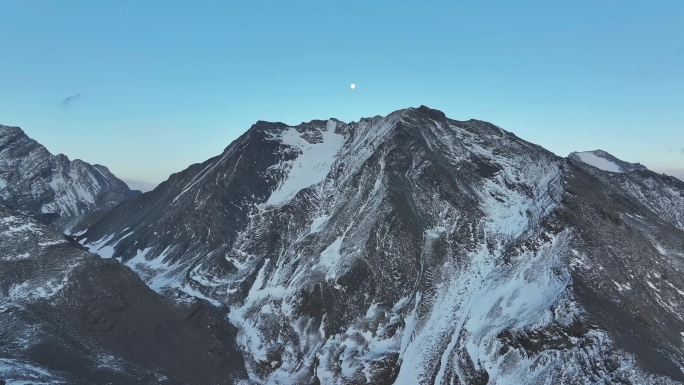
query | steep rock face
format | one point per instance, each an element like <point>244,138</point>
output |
<point>68,316</point>
<point>411,248</point>
<point>627,259</point>
<point>48,186</point>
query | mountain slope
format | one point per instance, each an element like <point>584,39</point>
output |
<point>68,316</point>
<point>632,284</point>
<point>414,248</point>
<point>48,186</point>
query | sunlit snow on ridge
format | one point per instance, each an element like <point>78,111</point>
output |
<point>604,164</point>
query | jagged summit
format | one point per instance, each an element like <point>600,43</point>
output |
<point>427,111</point>
<point>379,125</point>
<point>605,161</point>
<point>8,131</point>
<point>47,186</point>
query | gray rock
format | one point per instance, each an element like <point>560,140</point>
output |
<point>49,187</point>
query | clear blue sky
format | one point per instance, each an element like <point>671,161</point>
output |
<point>147,88</point>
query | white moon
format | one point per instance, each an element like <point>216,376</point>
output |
<point>352,86</point>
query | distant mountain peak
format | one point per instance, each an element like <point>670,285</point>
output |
<point>10,130</point>
<point>40,184</point>
<point>605,161</point>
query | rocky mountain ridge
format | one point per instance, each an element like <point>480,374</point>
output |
<point>414,248</point>
<point>50,187</point>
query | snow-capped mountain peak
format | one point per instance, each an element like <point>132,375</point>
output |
<point>416,249</point>
<point>605,161</point>
<point>47,186</point>
<point>316,148</point>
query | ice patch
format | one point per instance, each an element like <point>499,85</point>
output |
<point>101,247</point>
<point>318,223</point>
<point>52,243</point>
<point>435,231</point>
<point>371,310</point>
<point>601,163</point>
<point>140,260</point>
<point>191,291</point>
<point>7,258</point>
<point>311,167</point>
<point>330,258</point>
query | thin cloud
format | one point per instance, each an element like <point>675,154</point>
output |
<point>69,100</point>
<point>682,151</point>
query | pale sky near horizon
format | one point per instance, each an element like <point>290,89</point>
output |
<point>148,88</point>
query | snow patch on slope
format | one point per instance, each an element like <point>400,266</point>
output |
<point>311,167</point>
<point>331,258</point>
<point>592,159</point>
<point>156,273</point>
<point>102,247</point>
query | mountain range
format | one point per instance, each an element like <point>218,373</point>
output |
<point>402,249</point>
<point>51,187</point>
